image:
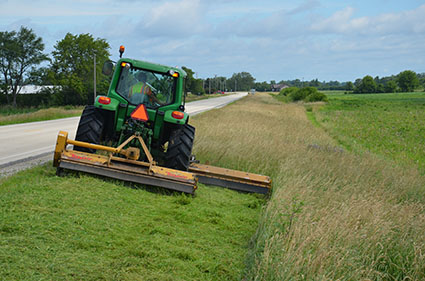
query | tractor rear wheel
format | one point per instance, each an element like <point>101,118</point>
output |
<point>90,128</point>
<point>180,148</point>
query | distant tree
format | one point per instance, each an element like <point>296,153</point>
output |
<point>19,51</point>
<point>367,85</point>
<point>193,85</point>
<point>407,81</point>
<point>314,83</point>
<point>262,86</point>
<point>72,67</point>
<point>380,88</point>
<point>39,76</point>
<point>357,82</point>
<point>349,86</point>
<point>242,81</point>
<point>197,86</point>
<point>391,87</point>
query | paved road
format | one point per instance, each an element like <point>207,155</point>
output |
<point>34,142</point>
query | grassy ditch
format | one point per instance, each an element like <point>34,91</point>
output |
<point>12,116</point>
<point>333,214</point>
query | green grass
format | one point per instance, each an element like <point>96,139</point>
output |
<point>9,110</point>
<point>392,125</point>
<point>9,116</point>
<point>333,92</point>
<point>85,228</point>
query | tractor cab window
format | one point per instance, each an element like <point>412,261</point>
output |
<point>143,86</point>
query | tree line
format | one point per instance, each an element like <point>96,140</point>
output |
<point>70,67</point>
<point>405,81</point>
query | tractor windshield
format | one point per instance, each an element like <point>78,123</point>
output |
<point>143,86</point>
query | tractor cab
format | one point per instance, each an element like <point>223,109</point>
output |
<point>142,86</point>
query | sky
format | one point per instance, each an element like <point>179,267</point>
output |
<point>271,39</point>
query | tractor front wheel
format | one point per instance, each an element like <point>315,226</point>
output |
<point>180,148</point>
<point>90,127</point>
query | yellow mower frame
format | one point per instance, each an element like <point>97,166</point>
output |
<point>129,168</point>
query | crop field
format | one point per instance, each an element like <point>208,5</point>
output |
<point>334,214</point>
<point>392,125</point>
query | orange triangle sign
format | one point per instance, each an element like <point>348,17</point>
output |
<point>140,113</point>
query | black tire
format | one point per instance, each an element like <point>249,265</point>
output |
<point>180,148</point>
<point>90,127</point>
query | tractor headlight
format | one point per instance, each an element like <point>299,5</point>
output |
<point>173,73</point>
<point>126,65</point>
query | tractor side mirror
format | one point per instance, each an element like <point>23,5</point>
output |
<point>108,68</point>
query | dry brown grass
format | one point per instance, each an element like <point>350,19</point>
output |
<point>333,215</point>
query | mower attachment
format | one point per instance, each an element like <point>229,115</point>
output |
<point>231,179</point>
<point>132,170</point>
<point>126,169</point>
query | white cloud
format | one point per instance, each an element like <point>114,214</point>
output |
<point>174,19</point>
<point>343,22</point>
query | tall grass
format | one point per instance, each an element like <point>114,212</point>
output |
<point>333,214</point>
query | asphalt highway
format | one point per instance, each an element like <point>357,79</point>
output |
<point>28,144</point>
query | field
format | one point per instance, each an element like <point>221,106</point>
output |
<point>392,125</point>
<point>336,213</point>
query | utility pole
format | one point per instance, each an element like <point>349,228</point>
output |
<point>94,77</point>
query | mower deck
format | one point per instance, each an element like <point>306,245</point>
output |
<point>130,170</point>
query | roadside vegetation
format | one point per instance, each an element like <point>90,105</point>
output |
<point>10,115</point>
<point>306,94</point>
<point>333,214</point>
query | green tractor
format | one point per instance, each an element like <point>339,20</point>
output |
<point>154,94</point>
<point>139,133</point>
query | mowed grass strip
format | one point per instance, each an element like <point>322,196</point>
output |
<point>87,228</point>
<point>31,115</point>
<point>333,215</point>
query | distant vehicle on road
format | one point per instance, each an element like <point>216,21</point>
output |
<point>252,91</point>
<point>219,92</point>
